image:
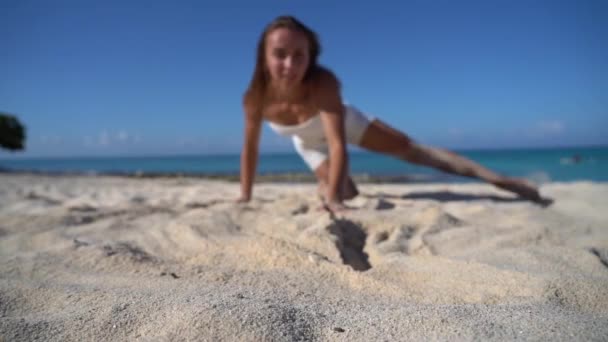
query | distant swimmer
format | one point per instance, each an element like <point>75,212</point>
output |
<point>575,159</point>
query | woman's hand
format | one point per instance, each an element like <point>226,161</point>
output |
<point>335,207</point>
<point>243,199</point>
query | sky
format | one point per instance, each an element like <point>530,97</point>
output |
<point>113,78</point>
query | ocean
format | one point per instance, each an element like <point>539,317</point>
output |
<point>539,165</point>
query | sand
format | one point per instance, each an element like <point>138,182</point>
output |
<point>87,258</point>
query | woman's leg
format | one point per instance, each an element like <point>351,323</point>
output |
<point>380,137</point>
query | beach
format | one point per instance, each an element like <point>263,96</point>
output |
<point>177,259</point>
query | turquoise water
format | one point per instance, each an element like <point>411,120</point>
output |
<point>555,164</point>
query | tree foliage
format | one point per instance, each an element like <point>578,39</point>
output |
<point>12,133</point>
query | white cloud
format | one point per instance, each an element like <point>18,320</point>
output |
<point>89,141</point>
<point>122,136</point>
<point>186,142</point>
<point>106,138</point>
<point>545,128</point>
<point>103,139</point>
<point>550,127</point>
<point>455,131</point>
<point>51,139</point>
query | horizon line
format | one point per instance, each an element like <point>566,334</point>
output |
<point>226,154</point>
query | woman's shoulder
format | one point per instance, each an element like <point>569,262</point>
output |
<point>325,78</point>
<point>326,90</point>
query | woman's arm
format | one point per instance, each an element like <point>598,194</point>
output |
<point>332,115</point>
<point>334,131</point>
<point>249,153</point>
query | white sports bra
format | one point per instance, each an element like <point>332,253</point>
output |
<point>311,129</point>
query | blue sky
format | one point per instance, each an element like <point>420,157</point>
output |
<point>94,78</point>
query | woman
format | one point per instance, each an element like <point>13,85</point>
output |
<point>300,98</point>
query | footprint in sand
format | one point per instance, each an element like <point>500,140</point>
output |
<point>127,249</point>
<point>302,209</point>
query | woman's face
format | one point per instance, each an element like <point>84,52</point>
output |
<point>287,57</point>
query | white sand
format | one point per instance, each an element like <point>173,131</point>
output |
<point>108,258</point>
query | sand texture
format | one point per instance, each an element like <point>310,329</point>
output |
<point>176,259</point>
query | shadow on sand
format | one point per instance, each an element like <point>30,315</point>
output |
<point>449,196</point>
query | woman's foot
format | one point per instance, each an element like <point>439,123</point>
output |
<point>523,189</point>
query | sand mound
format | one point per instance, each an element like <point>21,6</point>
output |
<point>106,258</point>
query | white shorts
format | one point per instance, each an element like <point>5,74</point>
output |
<point>315,152</point>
